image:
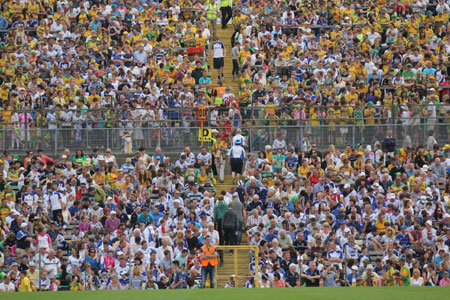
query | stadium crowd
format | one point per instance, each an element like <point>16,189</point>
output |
<point>353,217</point>
<point>373,214</point>
<point>83,66</point>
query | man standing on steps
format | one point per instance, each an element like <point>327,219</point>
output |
<point>236,155</point>
<point>238,208</point>
<point>212,10</point>
<point>227,12</point>
<point>219,210</point>
<point>218,49</point>
<point>230,223</point>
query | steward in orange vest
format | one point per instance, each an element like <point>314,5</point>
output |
<point>208,259</point>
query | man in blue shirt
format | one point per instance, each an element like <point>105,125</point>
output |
<point>259,95</point>
<point>23,237</point>
<point>145,217</point>
<point>335,255</point>
<point>255,203</point>
<point>404,238</point>
<point>291,161</point>
<point>156,215</point>
<point>312,275</point>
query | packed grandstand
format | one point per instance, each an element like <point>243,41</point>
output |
<point>334,124</point>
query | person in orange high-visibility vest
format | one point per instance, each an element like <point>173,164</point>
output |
<point>208,258</point>
<point>217,94</point>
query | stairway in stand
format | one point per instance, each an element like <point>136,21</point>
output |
<point>239,261</point>
<point>225,38</point>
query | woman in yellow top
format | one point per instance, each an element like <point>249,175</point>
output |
<point>99,176</point>
<point>304,168</point>
<point>24,283</point>
<point>111,178</point>
<point>202,176</point>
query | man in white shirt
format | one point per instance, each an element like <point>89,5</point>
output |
<point>51,264</point>
<point>239,137</point>
<point>237,156</point>
<point>162,248</point>
<point>218,49</point>
<point>7,285</point>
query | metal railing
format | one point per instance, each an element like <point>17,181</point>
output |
<point>173,137</point>
<point>240,257</point>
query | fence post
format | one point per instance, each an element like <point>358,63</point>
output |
<point>159,134</point>
<point>235,258</point>
<point>108,132</point>
<point>40,271</point>
<point>353,135</point>
<point>56,140</point>
<point>256,278</point>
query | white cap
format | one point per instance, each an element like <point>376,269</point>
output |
<point>119,253</point>
<point>113,212</point>
<point>23,225</point>
<point>369,266</point>
<point>354,268</point>
<point>347,186</point>
<point>429,223</point>
<point>362,174</point>
<point>347,229</point>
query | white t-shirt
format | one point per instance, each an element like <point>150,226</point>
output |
<point>239,137</point>
<point>4,287</point>
<point>218,49</point>
<point>51,265</point>
<point>54,200</point>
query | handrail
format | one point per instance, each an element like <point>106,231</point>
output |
<point>235,260</point>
